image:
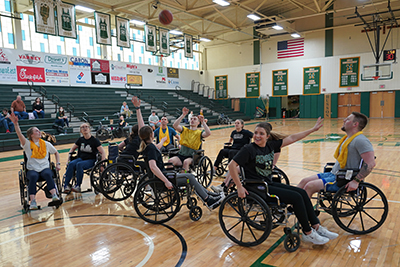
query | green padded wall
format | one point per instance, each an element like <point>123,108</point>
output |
<point>311,106</point>
<point>334,105</point>
<point>397,107</point>
<point>364,98</point>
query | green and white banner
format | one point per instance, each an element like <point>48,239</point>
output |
<point>45,21</point>
<point>103,28</point>
<point>150,37</point>
<point>123,31</point>
<point>163,36</point>
<point>188,40</point>
<point>66,18</point>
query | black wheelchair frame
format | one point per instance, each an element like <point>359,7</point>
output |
<point>40,186</point>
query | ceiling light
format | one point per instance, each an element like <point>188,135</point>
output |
<point>221,2</point>
<point>204,39</point>
<point>253,17</point>
<point>175,32</point>
<point>295,35</point>
<point>137,22</point>
<point>84,9</point>
<point>277,27</point>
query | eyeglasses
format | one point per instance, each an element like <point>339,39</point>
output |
<point>83,127</point>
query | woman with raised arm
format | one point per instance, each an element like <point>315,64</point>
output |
<point>38,165</point>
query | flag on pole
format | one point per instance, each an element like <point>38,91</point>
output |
<point>291,48</point>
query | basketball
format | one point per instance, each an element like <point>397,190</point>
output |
<point>165,17</point>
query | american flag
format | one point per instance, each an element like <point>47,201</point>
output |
<point>291,48</point>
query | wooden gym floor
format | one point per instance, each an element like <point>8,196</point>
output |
<point>89,230</point>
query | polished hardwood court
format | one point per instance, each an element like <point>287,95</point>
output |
<point>90,230</point>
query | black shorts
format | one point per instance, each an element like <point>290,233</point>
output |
<point>182,158</point>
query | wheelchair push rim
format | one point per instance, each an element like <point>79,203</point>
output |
<point>361,211</point>
<point>247,221</point>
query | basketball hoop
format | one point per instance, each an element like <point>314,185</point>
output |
<point>376,77</point>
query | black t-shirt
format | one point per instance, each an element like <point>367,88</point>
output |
<point>258,161</point>
<point>87,148</point>
<point>241,138</point>
<point>131,147</point>
<point>123,124</point>
<point>153,153</point>
<point>37,106</point>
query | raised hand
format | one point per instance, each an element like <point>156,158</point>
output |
<point>136,101</point>
<point>185,111</point>
<point>318,124</point>
<point>14,118</point>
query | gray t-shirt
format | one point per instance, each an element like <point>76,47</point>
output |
<point>358,146</point>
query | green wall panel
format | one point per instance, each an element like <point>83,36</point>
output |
<point>397,105</point>
<point>334,105</point>
<point>364,98</point>
<point>311,106</point>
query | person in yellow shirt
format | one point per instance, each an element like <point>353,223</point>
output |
<point>191,138</point>
<point>164,136</point>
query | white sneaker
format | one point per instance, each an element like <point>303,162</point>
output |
<point>218,188</point>
<point>315,238</point>
<point>322,231</point>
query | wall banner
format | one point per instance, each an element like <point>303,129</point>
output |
<point>280,82</point>
<point>123,30</point>
<point>150,38</point>
<point>188,40</point>
<point>103,28</point>
<point>312,80</point>
<point>221,87</point>
<point>252,84</point>
<point>45,21</point>
<point>349,72</point>
<point>135,80</point>
<point>66,18</point>
<point>32,73</point>
<point>163,37</point>
<point>79,70</point>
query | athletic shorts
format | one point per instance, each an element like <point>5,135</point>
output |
<point>328,177</point>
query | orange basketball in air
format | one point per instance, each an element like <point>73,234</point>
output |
<point>165,17</point>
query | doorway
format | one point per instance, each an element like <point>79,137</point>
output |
<point>381,104</point>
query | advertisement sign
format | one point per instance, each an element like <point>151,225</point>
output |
<point>135,80</point>
<point>100,71</point>
<point>8,72</point>
<point>32,73</point>
<point>79,70</point>
<point>56,69</point>
<point>133,69</point>
<point>30,59</point>
<point>173,73</point>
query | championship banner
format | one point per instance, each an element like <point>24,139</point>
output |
<point>45,21</point>
<point>103,28</point>
<point>122,28</point>
<point>188,39</point>
<point>163,36</point>
<point>66,18</point>
<point>150,37</point>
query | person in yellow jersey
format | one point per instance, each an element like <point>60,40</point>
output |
<point>164,136</point>
<point>191,138</point>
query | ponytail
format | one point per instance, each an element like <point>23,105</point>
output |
<point>145,134</point>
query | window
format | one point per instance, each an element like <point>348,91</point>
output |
<point>138,32</point>
<point>170,63</point>
<point>74,51</point>
<point>99,51</point>
<point>45,36</point>
<point>173,55</point>
<point>119,57</point>
<point>185,65</point>
<point>21,15</point>
<point>156,59</point>
<point>42,47</point>
<point>77,39</point>
<point>180,56</point>
<point>131,47</point>
<point>62,39</point>
<point>23,35</point>
<point>88,53</point>
<point>91,41</point>
<point>134,36</point>
<point>142,49</point>
<point>11,38</point>
<point>121,48</point>
<point>197,64</point>
<point>192,66</point>
<point>140,60</point>
<point>149,61</point>
<point>80,28</point>
<point>86,20</point>
<point>30,18</point>
<point>7,5</point>
<point>59,49</point>
<point>130,59</point>
<point>179,64</point>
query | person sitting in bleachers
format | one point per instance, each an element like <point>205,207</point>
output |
<point>6,122</point>
<point>61,118</point>
<point>154,120</point>
<point>38,108</point>
<point>125,110</point>
<point>19,109</point>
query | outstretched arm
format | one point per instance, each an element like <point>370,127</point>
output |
<point>136,103</point>
<point>21,137</point>
<point>177,122</point>
<point>157,172</point>
<point>298,136</point>
<point>207,131</point>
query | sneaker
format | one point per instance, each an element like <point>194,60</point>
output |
<point>67,189</point>
<point>33,205</point>
<point>55,198</point>
<point>213,202</point>
<point>76,189</point>
<point>8,131</point>
<point>218,188</point>
<point>214,194</point>
<point>322,231</point>
<point>315,238</point>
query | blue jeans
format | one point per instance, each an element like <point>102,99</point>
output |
<point>22,115</point>
<point>78,165</point>
<point>7,124</point>
<point>61,122</point>
<point>328,177</point>
<point>33,177</point>
<point>35,113</point>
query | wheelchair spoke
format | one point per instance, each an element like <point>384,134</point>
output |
<point>372,218</point>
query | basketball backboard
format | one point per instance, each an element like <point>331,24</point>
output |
<point>373,72</point>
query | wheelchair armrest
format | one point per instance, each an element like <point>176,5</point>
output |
<point>227,145</point>
<point>169,165</point>
<point>173,151</point>
<point>328,166</point>
<point>122,156</point>
<point>199,151</point>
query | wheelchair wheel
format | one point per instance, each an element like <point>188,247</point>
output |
<point>246,221</point>
<point>191,202</point>
<point>222,167</point>
<point>292,242</point>
<point>23,192</point>
<point>95,174</point>
<point>118,181</point>
<point>361,211</point>
<point>155,203</point>
<point>195,213</point>
<point>278,216</point>
<point>325,202</point>
<point>102,134</point>
<point>279,176</point>
<point>205,171</point>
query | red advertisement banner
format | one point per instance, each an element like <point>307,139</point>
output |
<point>32,73</point>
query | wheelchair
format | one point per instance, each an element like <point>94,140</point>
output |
<point>361,211</point>
<point>95,172</point>
<point>249,221</point>
<point>41,185</point>
<point>201,166</point>
<point>157,204</point>
<point>223,166</point>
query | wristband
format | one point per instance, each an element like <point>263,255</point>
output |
<point>137,108</point>
<point>357,180</point>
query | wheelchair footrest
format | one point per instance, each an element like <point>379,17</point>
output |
<point>55,203</point>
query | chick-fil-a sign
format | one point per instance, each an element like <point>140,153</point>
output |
<point>32,73</point>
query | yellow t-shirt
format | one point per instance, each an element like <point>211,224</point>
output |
<point>190,139</point>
